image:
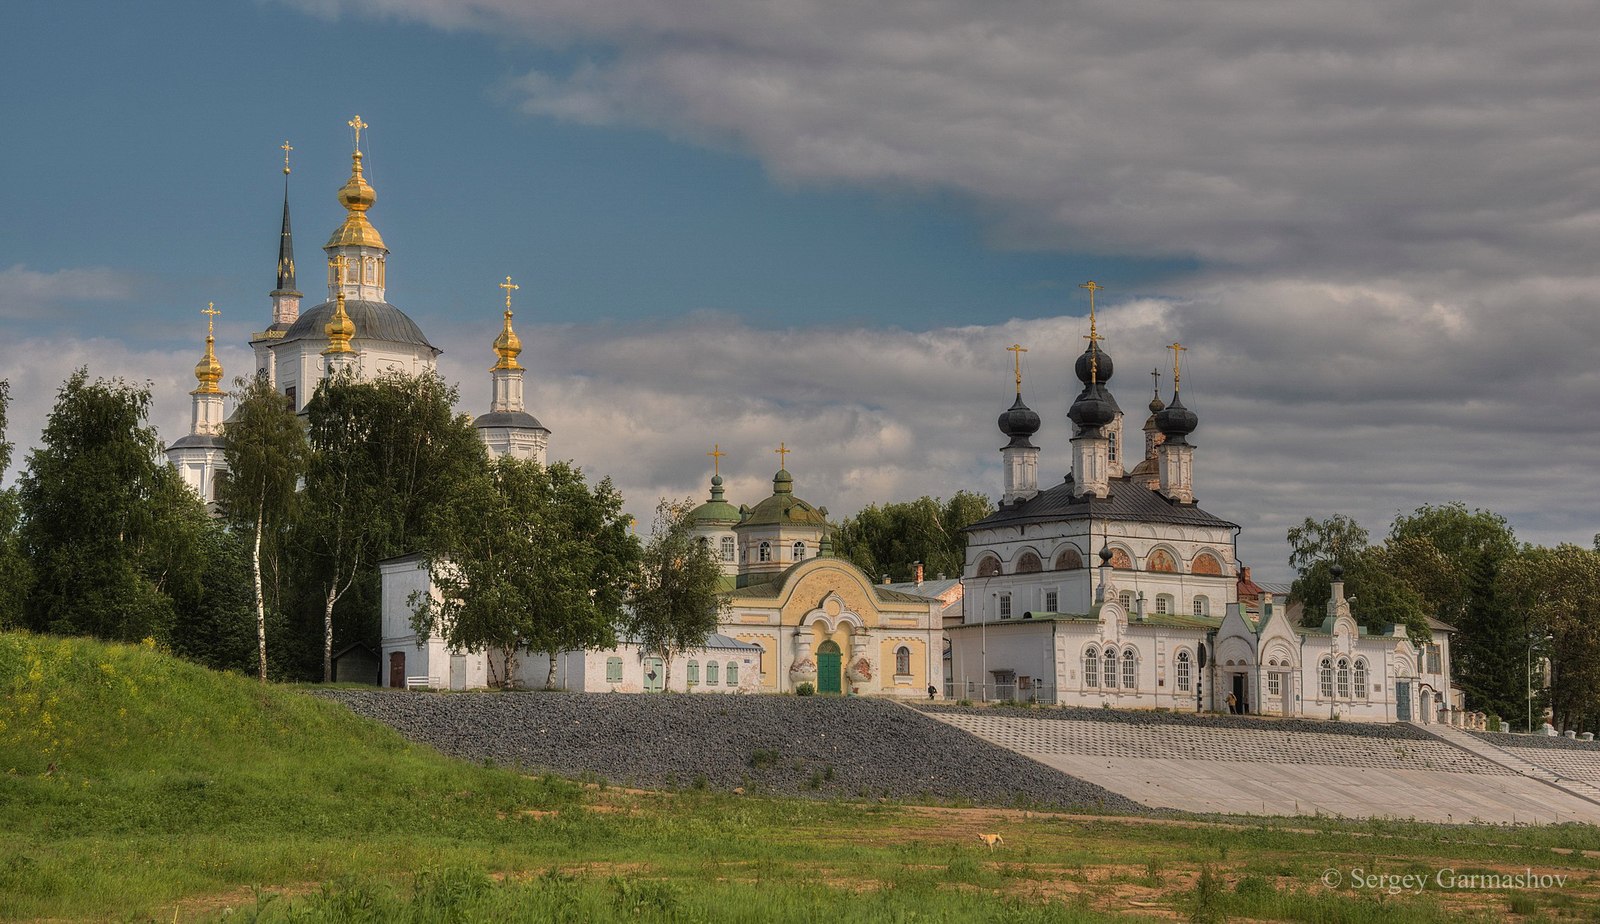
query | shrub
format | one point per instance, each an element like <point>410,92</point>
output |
<point>805,689</point>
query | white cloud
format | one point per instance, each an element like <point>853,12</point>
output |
<point>27,294</point>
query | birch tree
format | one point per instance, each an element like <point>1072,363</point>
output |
<point>675,602</point>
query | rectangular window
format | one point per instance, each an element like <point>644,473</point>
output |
<point>711,673</point>
<point>733,673</point>
<point>1273,685</point>
<point>1129,678</point>
<point>1005,606</point>
<point>1052,601</point>
<point>693,674</point>
<point>1091,670</point>
<point>727,548</point>
<point>1435,660</point>
<point>613,670</point>
<point>1163,604</point>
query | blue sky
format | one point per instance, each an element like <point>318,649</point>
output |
<point>822,223</point>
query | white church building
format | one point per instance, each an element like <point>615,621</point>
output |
<point>1115,588</point>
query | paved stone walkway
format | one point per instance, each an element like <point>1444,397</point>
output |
<point>1542,764</point>
<point>1272,772</point>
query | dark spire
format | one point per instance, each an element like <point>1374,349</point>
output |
<point>286,285</point>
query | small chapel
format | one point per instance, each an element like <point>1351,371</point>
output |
<point>1115,588</point>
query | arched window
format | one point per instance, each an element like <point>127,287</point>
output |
<point>711,673</point>
<point>693,674</point>
<point>727,548</point>
<point>1360,678</point>
<point>988,566</point>
<point>613,670</point>
<point>799,551</point>
<point>1185,677</point>
<point>1126,599</point>
<point>1202,606</point>
<point>1326,676</point>
<point>733,673</point>
<point>1069,560</point>
<point>902,660</point>
<point>1091,667</point>
<point>1111,668</point>
<point>1164,603</point>
<point>1120,559</point>
<point>1344,679</point>
<point>1130,677</point>
<point>1028,563</point>
<point>1160,560</point>
<point>764,552</point>
<point>1206,563</point>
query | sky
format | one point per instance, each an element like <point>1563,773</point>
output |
<point>1374,225</point>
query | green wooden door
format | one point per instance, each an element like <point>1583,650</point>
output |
<point>655,678</point>
<point>830,668</point>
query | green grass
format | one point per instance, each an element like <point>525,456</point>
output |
<point>135,786</point>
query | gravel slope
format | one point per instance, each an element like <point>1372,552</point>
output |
<point>1193,720</point>
<point>809,746</point>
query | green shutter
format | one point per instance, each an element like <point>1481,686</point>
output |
<point>733,673</point>
<point>711,673</point>
<point>694,672</point>
<point>613,670</point>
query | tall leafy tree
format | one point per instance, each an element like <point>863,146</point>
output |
<point>15,575</point>
<point>387,457</point>
<point>107,526</point>
<point>674,603</point>
<point>266,455</point>
<point>1559,590</point>
<point>528,558</point>
<point>1383,596</point>
<point>890,539</point>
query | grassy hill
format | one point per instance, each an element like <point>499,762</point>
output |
<point>135,787</point>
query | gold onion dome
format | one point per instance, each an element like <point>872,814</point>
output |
<point>356,195</point>
<point>340,329</point>
<point>508,346</point>
<point>208,372</point>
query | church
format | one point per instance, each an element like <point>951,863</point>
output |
<point>355,327</point>
<point>1115,588</point>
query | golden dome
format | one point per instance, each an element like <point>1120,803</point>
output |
<point>356,195</point>
<point>508,346</point>
<point>340,329</point>
<point>208,372</point>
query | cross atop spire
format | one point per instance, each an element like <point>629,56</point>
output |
<point>287,147</point>
<point>783,453</point>
<point>716,455</point>
<point>1155,376</point>
<point>1177,354</point>
<point>358,125</point>
<point>510,287</point>
<point>211,312</point>
<point>1017,349</point>
<point>1093,287</point>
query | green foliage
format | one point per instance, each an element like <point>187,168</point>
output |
<point>674,605</point>
<point>387,460</point>
<point>1382,596</point>
<point>15,574</point>
<point>528,557</point>
<point>890,539</point>
<point>1558,590</point>
<point>805,688</point>
<point>110,532</point>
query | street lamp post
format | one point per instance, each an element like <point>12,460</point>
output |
<point>1548,638</point>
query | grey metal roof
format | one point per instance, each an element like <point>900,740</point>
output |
<point>198,440</point>
<point>930,589</point>
<point>1129,501</point>
<point>516,420</point>
<point>1276,587</point>
<point>373,321</point>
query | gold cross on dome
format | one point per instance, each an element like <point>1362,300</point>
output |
<point>1177,351</point>
<point>716,455</point>
<point>509,286</point>
<point>1093,287</point>
<point>211,312</point>
<point>358,125</point>
<point>783,455</point>
<point>1017,350</point>
<point>287,147</point>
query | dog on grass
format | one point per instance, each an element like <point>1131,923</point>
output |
<point>992,840</point>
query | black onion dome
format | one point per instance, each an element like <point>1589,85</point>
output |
<point>1157,405</point>
<point>1101,369</point>
<point>1093,408</point>
<point>1105,555</point>
<point>1176,421</point>
<point>1019,422</point>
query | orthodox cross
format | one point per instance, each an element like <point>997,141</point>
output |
<point>211,312</point>
<point>358,125</point>
<point>509,286</point>
<point>1177,351</point>
<point>1093,336</point>
<point>1093,287</point>
<point>1155,378</point>
<point>340,264</point>
<point>716,455</point>
<point>1017,349</point>
<point>287,147</point>
<point>783,455</point>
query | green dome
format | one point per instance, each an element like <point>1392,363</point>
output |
<point>716,511</point>
<point>783,508</point>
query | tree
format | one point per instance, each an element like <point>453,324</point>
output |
<point>387,457</point>
<point>528,558</point>
<point>1559,591</point>
<point>1336,540</point>
<point>108,528</point>
<point>15,575</point>
<point>675,604</point>
<point>891,539</point>
<point>266,455</point>
<point>1373,576</point>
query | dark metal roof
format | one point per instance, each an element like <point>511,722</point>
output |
<point>373,321</point>
<point>517,420</point>
<point>1129,501</point>
<point>199,440</point>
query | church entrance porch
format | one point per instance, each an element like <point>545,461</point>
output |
<point>830,668</point>
<point>1241,693</point>
<point>1402,701</point>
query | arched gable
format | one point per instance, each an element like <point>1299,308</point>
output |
<point>1121,558</point>
<point>1028,562</point>
<point>1206,562</point>
<point>989,565</point>
<point>1068,558</point>
<point>1161,559</point>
